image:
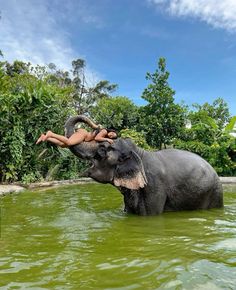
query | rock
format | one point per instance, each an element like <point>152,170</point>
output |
<point>4,189</point>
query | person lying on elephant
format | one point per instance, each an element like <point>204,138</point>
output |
<point>78,137</point>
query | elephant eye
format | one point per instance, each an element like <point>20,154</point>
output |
<point>101,153</point>
<point>123,157</point>
<point>109,149</point>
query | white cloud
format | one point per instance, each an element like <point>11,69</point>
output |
<point>217,13</point>
<point>29,33</point>
<point>33,31</point>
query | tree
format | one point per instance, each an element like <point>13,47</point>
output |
<point>206,139</point>
<point>219,111</point>
<point>203,127</point>
<point>161,118</point>
<point>17,68</point>
<point>85,95</point>
<point>118,112</point>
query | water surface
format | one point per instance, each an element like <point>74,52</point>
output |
<point>77,237</point>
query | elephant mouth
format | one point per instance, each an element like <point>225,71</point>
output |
<point>98,174</point>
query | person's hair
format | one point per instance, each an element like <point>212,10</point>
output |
<point>112,130</point>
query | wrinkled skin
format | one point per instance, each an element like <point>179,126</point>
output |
<point>152,182</point>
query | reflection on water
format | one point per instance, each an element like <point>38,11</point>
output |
<point>78,237</point>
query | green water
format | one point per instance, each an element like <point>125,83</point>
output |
<point>77,237</point>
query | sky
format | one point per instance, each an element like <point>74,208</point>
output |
<point>122,40</point>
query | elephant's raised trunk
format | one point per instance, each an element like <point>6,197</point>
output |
<point>71,122</point>
<point>84,150</point>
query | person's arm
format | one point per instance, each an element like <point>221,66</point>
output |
<point>101,136</point>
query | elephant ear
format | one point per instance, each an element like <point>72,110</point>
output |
<point>130,172</point>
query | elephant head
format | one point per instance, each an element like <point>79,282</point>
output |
<point>118,163</point>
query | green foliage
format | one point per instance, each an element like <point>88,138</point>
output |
<point>207,140</point>
<point>31,177</point>
<point>161,118</point>
<point>218,111</point>
<point>34,99</point>
<point>221,154</point>
<point>231,126</point>
<point>203,128</point>
<point>29,106</point>
<point>137,137</point>
<point>202,117</point>
<point>117,112</point>
<point>70,166</point>
<point>194,146</point>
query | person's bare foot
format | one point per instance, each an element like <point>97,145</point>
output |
<point>41,138</point>
<point>48,135</point>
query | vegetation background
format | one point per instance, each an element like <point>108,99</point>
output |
<point>34,99</point>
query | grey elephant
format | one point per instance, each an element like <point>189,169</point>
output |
<point>151,181</point>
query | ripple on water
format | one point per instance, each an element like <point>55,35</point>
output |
<point>227,244</point>
<point>78,238</point>
<point>211,275</point>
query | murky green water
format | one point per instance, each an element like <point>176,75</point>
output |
<point>77,237</point>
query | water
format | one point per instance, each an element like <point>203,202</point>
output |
<point>78,237</point>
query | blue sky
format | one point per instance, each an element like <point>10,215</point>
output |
<point>122,40</point>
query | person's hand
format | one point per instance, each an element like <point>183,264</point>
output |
<point>110,141</point>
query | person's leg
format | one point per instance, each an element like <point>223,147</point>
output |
<point>76,138</point>
<point>57,142</point>
<point>52,140</point>
<point>41,138</point>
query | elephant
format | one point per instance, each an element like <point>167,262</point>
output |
<point>151,182</point>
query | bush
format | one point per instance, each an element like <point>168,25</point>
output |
<point>137,137</point>
<point>29,106</point>
<point>221,154</point>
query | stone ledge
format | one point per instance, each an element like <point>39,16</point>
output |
<point>60,182</point>
<point>18,187</point>
<point>5,189</point>
<point>228,180</point>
